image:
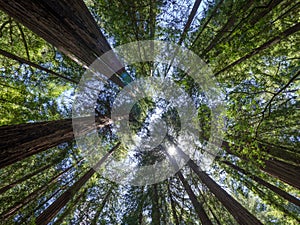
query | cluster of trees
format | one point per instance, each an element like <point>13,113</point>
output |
<point>253,50</point>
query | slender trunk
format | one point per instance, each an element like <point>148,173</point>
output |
<point>224,30</point>
<point>197,205</point>
<point>67,25</point>
<point>97,214</point>
<point>21,60</point>
<point>189,21</point>
<point>36,209</point>
<point>23,140</point>
<point>207,22</point>
<point>69,209</point>
<point>12,210</point>
<point>276,168</point>
<point>275,189</point>
<point>11,185</point>
<point>48,214</point>
<point>173,206</point>
<point>264,46</point>
<point>155,213</point>
<point>241,214</point>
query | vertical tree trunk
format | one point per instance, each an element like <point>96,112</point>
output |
<point>18,142</point>
<point>173,206</point>
<point>48,214</point>
<point>197,205</point>
<point>68,25</point>
<point>241,214</point>
<point>155,213</point>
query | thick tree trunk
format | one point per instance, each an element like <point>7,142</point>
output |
<point>241,214</point>
<point>197,205</point>
<point>277,190</point>
<point>68,25</point>
<point>48,214</point>
<point>20,141</point>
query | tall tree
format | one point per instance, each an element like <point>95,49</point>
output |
<point>24,140</point>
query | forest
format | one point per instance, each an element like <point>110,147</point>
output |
<point>224,149</point>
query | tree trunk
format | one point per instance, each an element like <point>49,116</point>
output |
<point>48,214</point>
<point>275,189</point>
<point>68,25</point>
<point>155,213</point>
<point>276,168</point>
<point>21,60</point>
<point>18,142</point>
<point>173,206</point>
<point>264,46</point>
<point>97,214</point>
<point>241,214</point>
<point>69,209</point>
<point>197,205</point>
<point>12,210</point>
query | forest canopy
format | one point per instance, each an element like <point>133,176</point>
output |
<point>252,49</point>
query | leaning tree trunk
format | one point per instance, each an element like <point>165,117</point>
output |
<point>197,205</point>
<point>241,214</point>
<point>284,171</point>
<point>48,214</point>
<point>18,142</point>
<point>35,194</point>
<point>103,203</point>
<point>262,182</point>
<point>68,25</point>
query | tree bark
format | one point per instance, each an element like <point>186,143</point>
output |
<point>241,214</point>
<point>18,142</point>
<point>197,205</point>
<point>68,25</point>
<point>48,214</point>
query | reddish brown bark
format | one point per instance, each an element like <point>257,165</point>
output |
<point>20,141</point>
<point>68,25</point>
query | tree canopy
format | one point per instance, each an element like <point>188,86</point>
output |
<point>252,48</point>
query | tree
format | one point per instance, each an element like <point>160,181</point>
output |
<point>24,140</point>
